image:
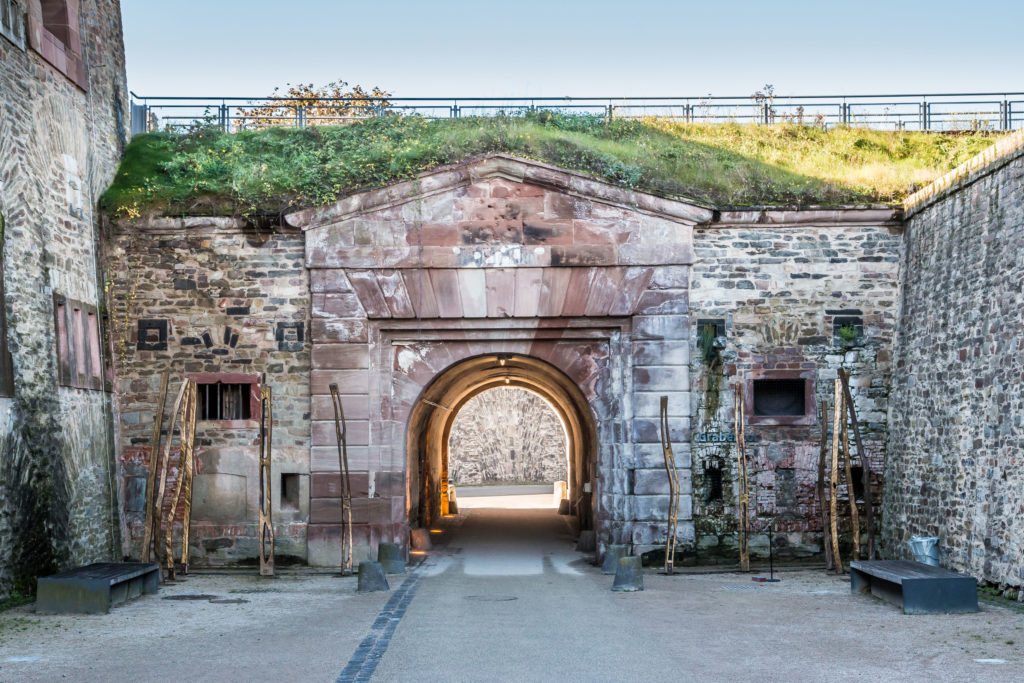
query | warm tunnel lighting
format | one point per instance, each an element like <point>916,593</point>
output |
<point>436,531</point>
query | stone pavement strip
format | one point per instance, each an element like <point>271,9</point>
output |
<point>504,597</point>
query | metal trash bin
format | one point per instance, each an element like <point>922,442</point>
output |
<point>925,549</point>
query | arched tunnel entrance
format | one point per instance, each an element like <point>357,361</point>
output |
<point>435,411</point>
<point>507,449</point>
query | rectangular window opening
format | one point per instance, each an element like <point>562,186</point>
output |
<point>224,401</point>
<point>780,397</point>
<point>857,485</point>
<point>56,19</point>
<point>289,491</point>
<point>713,483</point>
<point>847,329</point>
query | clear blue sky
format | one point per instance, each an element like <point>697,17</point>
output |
<point>569,47</point>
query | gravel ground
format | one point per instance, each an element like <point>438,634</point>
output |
<point>503,596</point>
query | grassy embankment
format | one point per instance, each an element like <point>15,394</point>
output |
<point>273,170</point>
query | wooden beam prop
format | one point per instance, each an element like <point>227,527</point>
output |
<point>673,489</point>
<point>834,475</point>
<point>187,409</point>
<point>741,476</point>
<point>266,526</point>
<point>826,537</point>
<point>154,458</point>
<point>188,450</point>
<point>165,456</point>
<point>854,516</point>
<point>341,430</point>
<point>869,515</point>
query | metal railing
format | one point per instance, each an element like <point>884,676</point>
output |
<point>922,112</point>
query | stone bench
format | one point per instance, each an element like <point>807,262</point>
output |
<point>95,588</point>
<point>917,588</point>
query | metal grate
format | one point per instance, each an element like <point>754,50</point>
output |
<point>224,401</point>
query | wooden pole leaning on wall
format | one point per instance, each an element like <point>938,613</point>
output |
<point>741,478</point>
<point>188,414</point>
<point>869,516</point>
<point>188,450</point>
<point>834,475</point>
<point>673,489</point>
<point>154,459</point>
<point>854,515</point>
<point>341,431</point>
<point>266,525</point>
<point>826,537</point>
<point>158,502</point>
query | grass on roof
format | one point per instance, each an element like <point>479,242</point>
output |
<point>207,171</point>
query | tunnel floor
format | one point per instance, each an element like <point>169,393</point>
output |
<point>506,542</point>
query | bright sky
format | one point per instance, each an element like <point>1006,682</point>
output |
<point>573,47</point>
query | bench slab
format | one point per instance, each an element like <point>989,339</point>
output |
<point>917,588</point>
<point>95,588</point>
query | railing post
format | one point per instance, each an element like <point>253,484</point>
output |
<point>225,118</point>
<point>1004,114</point>
<point>609,111</point>
<point>300,116</point>
<point>922,118</point>
<point>689,112</point>
<point>765,114</point>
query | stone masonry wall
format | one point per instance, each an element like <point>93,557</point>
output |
<point>59,147</point>
<point>956,465</point>
<point>233,299</point>
<point>507,435</point>
<point>774,286</point>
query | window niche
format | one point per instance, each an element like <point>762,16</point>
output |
<point>12,24</point>
<point>152,335</point>
<point>847,330</point>
<point>80,361</point>
<point>780,397</point>
<point>227,398</point>
<point>53,33</point>
<point>290,336</point>
<point>713,483</point>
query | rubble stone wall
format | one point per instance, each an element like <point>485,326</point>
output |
<point>956,465</point>
<point>230,301</point>
<point>774,287</point>
<point>507,435</point>
<point>59,148</point>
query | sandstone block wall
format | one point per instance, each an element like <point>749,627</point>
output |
<point>497,256</point>
<point>957,408</point>
<point>233,300</point>
<point>775,285</point>
<point>59,147</point>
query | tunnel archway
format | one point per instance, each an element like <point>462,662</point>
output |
<point>434,413</point>
<point>510,438</point>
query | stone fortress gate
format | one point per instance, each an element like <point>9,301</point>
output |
<point>500,272</point>
<point>495,272</point>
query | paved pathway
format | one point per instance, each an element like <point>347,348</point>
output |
<point>508,599</point>
<point>504,597</point>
